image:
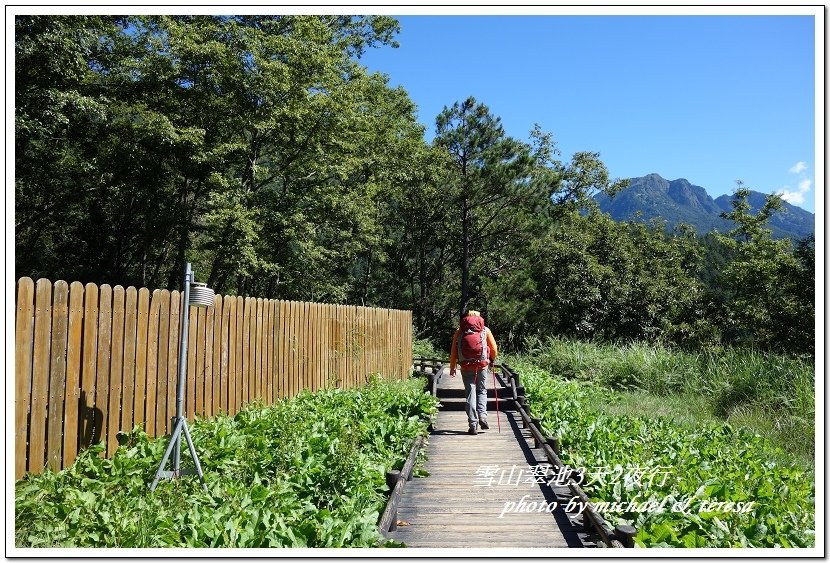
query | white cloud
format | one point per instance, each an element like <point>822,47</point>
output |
<point>798,167</point>
<point>796,197</point>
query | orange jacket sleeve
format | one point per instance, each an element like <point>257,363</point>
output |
<point>454,351</point>
<point>491,345</point>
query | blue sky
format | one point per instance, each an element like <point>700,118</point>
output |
<point>712,99</point>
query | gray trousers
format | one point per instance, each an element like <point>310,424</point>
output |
<point>475,389</point>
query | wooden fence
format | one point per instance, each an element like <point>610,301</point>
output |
<point>92,361</point>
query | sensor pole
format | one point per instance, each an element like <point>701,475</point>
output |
<point>179,422</point>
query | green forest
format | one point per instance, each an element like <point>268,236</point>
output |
<point>259,149</point>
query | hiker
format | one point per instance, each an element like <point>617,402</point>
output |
<point>474,350</point>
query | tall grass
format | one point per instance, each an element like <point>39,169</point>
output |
<point>423,348</point>
<point>773,394</point>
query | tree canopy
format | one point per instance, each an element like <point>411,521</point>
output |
<point>261,150</point>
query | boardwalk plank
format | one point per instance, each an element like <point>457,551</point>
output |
<point>453,511</point>
<point>423,496</point>
<point>454,506</point>
<point>489,543</point>
<point>509,526</point>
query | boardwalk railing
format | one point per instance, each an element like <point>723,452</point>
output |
<point>431,368</point>
<point>620,536</point>
<point>92,361</point>
<point>396,481</point>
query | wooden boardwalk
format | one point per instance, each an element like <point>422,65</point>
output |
<point>481,489</point>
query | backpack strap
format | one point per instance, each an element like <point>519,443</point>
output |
<point>484,351</point>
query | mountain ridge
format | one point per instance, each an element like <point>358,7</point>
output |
<point>679,201</point>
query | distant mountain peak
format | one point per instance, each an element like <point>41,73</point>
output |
<point>679,201</point>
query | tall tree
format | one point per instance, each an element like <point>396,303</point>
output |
<point>59,109</point>
<point>498,195</point>
<point>293,133</point>
<point>418,271</point>
<point>766,282</point>
<point>255,146</point>
<point>491,178</point>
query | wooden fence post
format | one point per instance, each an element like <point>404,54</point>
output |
<point>162,366</point>
<point>173,342</point>
<point>129,364</point>
<point>102,381</point>
<point>23,357</point>
<point>225,351</point>
<point>74,347</point>
<point>196,376</point>
<point>57,375</point>
<point>116,370</point>
<point>239,379</point>
<point>153,329</point>
<point>40,375</point>
<point>141,350</point>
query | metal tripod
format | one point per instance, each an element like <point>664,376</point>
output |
<point>179,422</point>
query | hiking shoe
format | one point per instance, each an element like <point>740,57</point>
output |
<point>472,431</point>
<point>484,425</point>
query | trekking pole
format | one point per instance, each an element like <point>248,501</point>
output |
<point>496,393</point>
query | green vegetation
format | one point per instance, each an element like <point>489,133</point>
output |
<point>306,472</point>
<point>259,149</point>
<point>771,287</point>
<point>704,483</point>
<point>772,394</point>
<point>423,348</point>
<point>590,277</point>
